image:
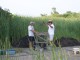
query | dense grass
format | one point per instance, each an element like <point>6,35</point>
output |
<point>64,27</point>
<point>5,18</point>
<point>13,27</point>
<point>67,28</point>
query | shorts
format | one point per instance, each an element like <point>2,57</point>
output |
<point>31,38</point>
<point>51,37</point>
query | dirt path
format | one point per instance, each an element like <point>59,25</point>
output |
<point>27,54</point>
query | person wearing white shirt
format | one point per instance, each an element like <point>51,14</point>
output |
<point>31,32</point>
<point>51,31</point>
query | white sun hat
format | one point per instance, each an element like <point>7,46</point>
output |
<point>50,20</point>
<point>31,22</point>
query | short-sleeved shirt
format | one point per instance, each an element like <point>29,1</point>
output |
<point>51,30</point>
<point>30,33</point>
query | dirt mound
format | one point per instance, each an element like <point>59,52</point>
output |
<point>21,43</point>
<point>64,42</point>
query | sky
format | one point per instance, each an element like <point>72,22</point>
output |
<point>37,7</point>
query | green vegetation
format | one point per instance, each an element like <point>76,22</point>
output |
<point>13,27</point>
<point>64,27</point>
<point>5,17</point>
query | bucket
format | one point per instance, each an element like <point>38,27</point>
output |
<point>10,52</point>
<point>76,50</point>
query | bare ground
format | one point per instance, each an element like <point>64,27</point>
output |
<point>64,53</point>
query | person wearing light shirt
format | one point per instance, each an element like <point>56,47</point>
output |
<point>31,32</point>
<point>50,31</point>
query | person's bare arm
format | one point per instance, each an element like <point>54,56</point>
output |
<point>50,25</point>
<point>34,31</point>
<point>44,23</point>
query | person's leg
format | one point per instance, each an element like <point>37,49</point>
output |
<point>33,44</point>
<point>30,42</point>
<point>51,40</point>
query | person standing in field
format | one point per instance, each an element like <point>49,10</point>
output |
<point>31,32</point>
<point>50,32</point>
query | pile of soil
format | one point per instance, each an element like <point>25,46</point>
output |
<point>63,42</point>
<point>21,43</point>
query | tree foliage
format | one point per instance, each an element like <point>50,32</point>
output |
<point>68,14</point>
